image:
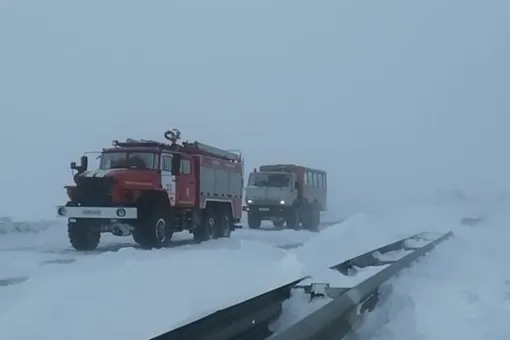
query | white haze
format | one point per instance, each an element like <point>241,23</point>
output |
<point>392,98</point>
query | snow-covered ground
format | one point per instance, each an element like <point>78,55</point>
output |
<point>113,287</point>
<point>8,226</point>
<point>358,235</point>
<point>169,287</point>
<point>461,290</point>
<point>24,253</point>
<point>114,290</point>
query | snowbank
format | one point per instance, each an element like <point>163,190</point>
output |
<point>8,226</point>
<point>364,232</point>
<point>467,276</point>
<point>167,287</point>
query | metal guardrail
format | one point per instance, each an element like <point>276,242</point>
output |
<point>334,320</point>
<point>251,319</point>
<point>246,320</point>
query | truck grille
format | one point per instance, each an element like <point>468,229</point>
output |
<point>265,202</point>
<point>94,191</point>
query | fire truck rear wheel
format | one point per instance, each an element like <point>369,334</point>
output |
<point>224,225</point>
<point>83,235</point>
<point>153,232</point>
<point>207,227</point>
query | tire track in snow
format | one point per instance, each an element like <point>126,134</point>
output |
<point>118,246</point>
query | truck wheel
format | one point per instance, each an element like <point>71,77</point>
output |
<point>206,229</point>
<point>224,225</point>
<point>83,235</point>
<point>317,218</point>
<point>278,223</point>
<point>153,232</point>
<point>312,218</point>
<point>293,218</point>
<point>254,220</point>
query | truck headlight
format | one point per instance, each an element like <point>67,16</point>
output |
<point>121,212</point>
<point>249,201</point>
<point>282,202</point>
<point>62,211</point>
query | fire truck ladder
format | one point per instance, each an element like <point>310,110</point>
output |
<point>231,156</point>
<point>174,136</point>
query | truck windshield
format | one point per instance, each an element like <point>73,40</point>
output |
<point>116,160</point>
<point>260,179</point>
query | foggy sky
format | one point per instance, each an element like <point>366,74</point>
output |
<point>392,98</point>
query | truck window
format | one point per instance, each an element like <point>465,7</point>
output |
<point>269,180</point>
<point>185,166</point>
<point>320,181</point>
<point>116,160</point>
<point>166,161</point>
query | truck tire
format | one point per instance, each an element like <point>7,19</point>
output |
<point>312,218</point>
<point>83,235</point>
<point>315,219</point>
<point>278,223</point>
<point>292,218</point>
<point>254,220</point>
<point>154,231</point>
<point>224,224</point>
<point>207,228</point>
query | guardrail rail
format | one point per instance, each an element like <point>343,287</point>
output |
<point>252,319</point>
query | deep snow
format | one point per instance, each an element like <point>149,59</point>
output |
<point>133,294</point>
<point>111,289</point>
<point>461,290</point>
<point>113,286</point>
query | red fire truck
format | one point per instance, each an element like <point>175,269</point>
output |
<point>150,190</point>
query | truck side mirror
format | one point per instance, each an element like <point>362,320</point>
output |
<point>176,164</point>
<point>84,160</point>
<point>296,185</point>
<point>84,163</point>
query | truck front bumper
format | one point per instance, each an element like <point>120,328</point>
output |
<point>267,209</point>
<point>114,213</point>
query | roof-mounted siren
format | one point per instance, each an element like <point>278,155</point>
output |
<point>173,135</point>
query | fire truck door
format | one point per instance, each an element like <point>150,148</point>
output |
<point>167,180</point>
<point>186,183</point>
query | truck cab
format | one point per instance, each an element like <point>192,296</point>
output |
<point>270,196</point>
<point>266,188</point>
<point>282,194</point>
